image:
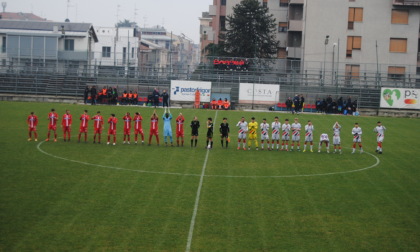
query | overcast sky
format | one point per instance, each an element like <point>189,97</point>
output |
<point>179,16</point>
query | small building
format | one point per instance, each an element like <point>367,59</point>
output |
<point>47,46</point>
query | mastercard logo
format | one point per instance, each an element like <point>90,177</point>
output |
<point>410,101</point>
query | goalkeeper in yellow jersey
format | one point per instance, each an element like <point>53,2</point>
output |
<point>252,129</point>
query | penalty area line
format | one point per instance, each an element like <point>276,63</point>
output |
<point>197,198</point>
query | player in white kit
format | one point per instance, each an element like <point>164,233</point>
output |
<point>265,127</point>
<point>243,129</point>
<point>336,137</point>
<point>309,135</point>
<point>357,138</point>
<point>285,137</point>
<point>380,131</point>
<point>275,136</point>
<point>296,128</point>
<point>324,139</point>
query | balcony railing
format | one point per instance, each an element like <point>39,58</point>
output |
<point>407,2</point>
<point>295,25</point>
<point>73,55</point>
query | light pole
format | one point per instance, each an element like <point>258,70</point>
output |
<point>325,57</point>
<point>333,69</point>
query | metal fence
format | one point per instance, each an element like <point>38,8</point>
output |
<point>43,80</point>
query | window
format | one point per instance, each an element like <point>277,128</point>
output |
<point>282,53</point>
<point>3,45</point>
<point>106,51</point>
<point>282,26</point>
<point>396,73</point>
<point>353,43</point>
<point>223,2</point>
<point>69,45</point>
<point>399,17</point>
<point>265,3</point>
<point>284,3</point>
<point>352,72</point>
<point>355,15</point>
<point>222,23</point>
<point>398,45</point>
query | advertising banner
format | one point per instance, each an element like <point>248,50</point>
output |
<point>185,90</point>
<point>400,98</point>
<point>258,93</point>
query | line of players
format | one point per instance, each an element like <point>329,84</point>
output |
<point>247,131</point>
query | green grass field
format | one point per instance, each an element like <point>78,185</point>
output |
<point>71,196</point>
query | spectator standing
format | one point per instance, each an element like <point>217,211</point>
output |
<point>86,94</point>
<point>93,94</point>
<point>165,98</point>
<point>302,103</point>
<point>296,102</point>
<point>289,103</point>
<point>156,97</point>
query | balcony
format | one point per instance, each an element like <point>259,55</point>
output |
<point>406,2</point>
<point>73,55</point>
<point>295,25</point>
<point>294,52</point>
<point>296,1</point>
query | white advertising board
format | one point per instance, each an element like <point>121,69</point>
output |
<point>185,90</point>
<point>258,93</point>
<point>400,98</point>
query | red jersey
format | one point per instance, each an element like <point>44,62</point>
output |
<point>53,118</point>
<point>112,123</point>
<point>137,122</point>
<point>154,124</point>
<point>99,122</point>
<point>180,124</point>
<point>84,119</point>
<point>32,121</point>
<point>127,122</point>
<point>67,120</point>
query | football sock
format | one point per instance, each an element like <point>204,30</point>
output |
<point>211,144</point>
<point>227,143</point>
<point>222,142</point>
<point>195,142</point>
<point>192,142</point>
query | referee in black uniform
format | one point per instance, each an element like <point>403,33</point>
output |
<point>224,132</point>
<point>195,124</point>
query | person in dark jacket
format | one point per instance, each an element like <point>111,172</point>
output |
<point>93,94</point>
<point>156,97</point>
<point>165,98</point>
<point>296,102</point>
<point>289,104</point>
<point>86,94</point>
<point>302,103</point>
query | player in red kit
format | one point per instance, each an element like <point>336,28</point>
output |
<point>32,121</point>
<point>154,128</point>
<point>98,126</point>
<point>180,129</point>
<point>138,129</point>
<point>112,128</point>
<point>127,127</point>
<point>66,124</point>
<point>84,120</point>
<point>52,124</point>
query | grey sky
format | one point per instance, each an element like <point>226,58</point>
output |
<point>179,16</point>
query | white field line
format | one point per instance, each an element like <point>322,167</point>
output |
<point>197,197</point>
<point>219,176</point>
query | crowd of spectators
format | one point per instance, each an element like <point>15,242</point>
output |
<point>329,105</point>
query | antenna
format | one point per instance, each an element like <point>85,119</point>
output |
<point>4,5</point>
<point>135,13</point>
<point>118,13</point>
<point>67,11</point>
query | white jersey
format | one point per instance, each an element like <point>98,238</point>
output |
<point>336,137</point>
<point>380,131</point>
<point>324,138</point>
<point>243,129</point>
<point>357,134</point>
<point>309,130</point>
<point>265,127</point>
<point>296,127</point>
<point>276,130</point>
<point>286,132</point>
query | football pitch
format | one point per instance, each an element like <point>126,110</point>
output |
<point>68,196</point>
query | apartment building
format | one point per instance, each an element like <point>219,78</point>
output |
<point>351,37</point>
<point>118,47</point>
